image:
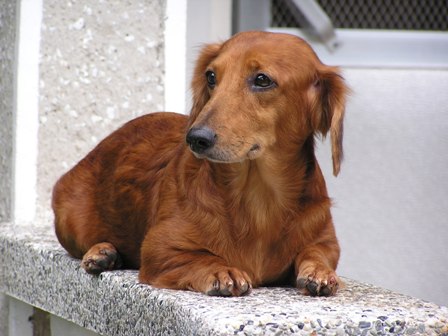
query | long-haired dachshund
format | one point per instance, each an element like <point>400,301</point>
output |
<point>224,200</point>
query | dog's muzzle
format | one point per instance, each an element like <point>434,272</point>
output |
<point>201,139</point>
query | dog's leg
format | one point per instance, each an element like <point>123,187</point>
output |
<point>197,271</point>
<point>101,257</point>
<point>217,280</point>
<point>315,270</point>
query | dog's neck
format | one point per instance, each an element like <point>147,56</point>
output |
<point>279,171</point>
<point>269,186</point>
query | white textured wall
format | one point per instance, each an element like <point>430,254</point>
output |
<point>101,65</point>
<point>8,16</point>
<point>391,198</point>
<point>7,66</point>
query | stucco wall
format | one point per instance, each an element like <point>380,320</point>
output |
<point>8,14</point>
<point>101,65</point>
<point>7,66</point>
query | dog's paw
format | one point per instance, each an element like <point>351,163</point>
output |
<point>320,282</point>
<point>228,282</point>
<point>101,257</point>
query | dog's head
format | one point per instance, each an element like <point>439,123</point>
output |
<point>261,92</point>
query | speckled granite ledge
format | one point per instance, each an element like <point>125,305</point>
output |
<point>36,270</point>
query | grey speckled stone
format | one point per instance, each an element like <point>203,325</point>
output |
<point>8,14</point>
<point>35,269</point>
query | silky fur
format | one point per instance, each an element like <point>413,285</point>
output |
<point>252,211</point>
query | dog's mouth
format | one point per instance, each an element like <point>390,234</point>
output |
<point>254,152</point>
<point>225,156</point>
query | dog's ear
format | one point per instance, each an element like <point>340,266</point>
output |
<point>328,114</point>
<point>199,82</point>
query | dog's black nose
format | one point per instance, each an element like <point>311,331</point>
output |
<point>200,139</point>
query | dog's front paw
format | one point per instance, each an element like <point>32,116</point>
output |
<point>319,282</point>
<point>228,282</point>
<point>101,257</point>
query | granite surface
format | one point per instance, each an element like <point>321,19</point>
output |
<point>35,269</point>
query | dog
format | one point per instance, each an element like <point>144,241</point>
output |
<point>228,198</point>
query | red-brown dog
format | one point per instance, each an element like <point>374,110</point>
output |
<point>227,199</point>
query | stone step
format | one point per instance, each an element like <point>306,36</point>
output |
<point>35,269</point>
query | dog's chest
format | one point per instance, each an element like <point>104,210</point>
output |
<point>267,265</point>
<point>264,245</point>
<point>265,257</point>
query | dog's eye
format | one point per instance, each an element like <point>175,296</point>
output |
<point>211,79</point>
<point>262,81</point>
